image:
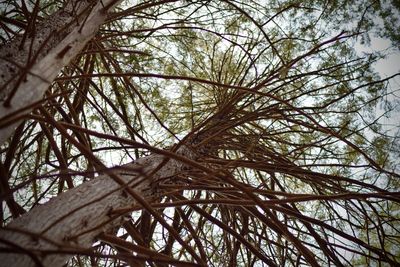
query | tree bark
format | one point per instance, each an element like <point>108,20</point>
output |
<point>49,234</point>
<point>72,220</point>
<point>56,42</point>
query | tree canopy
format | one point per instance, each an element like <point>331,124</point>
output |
<point>292,167</point>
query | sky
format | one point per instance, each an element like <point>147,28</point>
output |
<point>387,67</point>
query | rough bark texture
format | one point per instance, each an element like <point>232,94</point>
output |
<point>76,217</point>
<point>26,90</point>
<point>25,50</point>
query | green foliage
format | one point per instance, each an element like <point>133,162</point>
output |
<point>273,98</point>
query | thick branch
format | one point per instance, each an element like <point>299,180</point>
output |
<point>74,219</point>
<point>51,54</point>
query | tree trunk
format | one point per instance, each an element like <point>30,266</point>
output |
<point>71,221</point>
<point>29,65</point>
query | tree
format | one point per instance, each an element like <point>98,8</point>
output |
<point>194,133</point>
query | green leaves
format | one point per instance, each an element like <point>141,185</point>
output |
<point>291,159</point>
<point>379,148</point>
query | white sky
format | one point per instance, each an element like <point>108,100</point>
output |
<point>386,67</point>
